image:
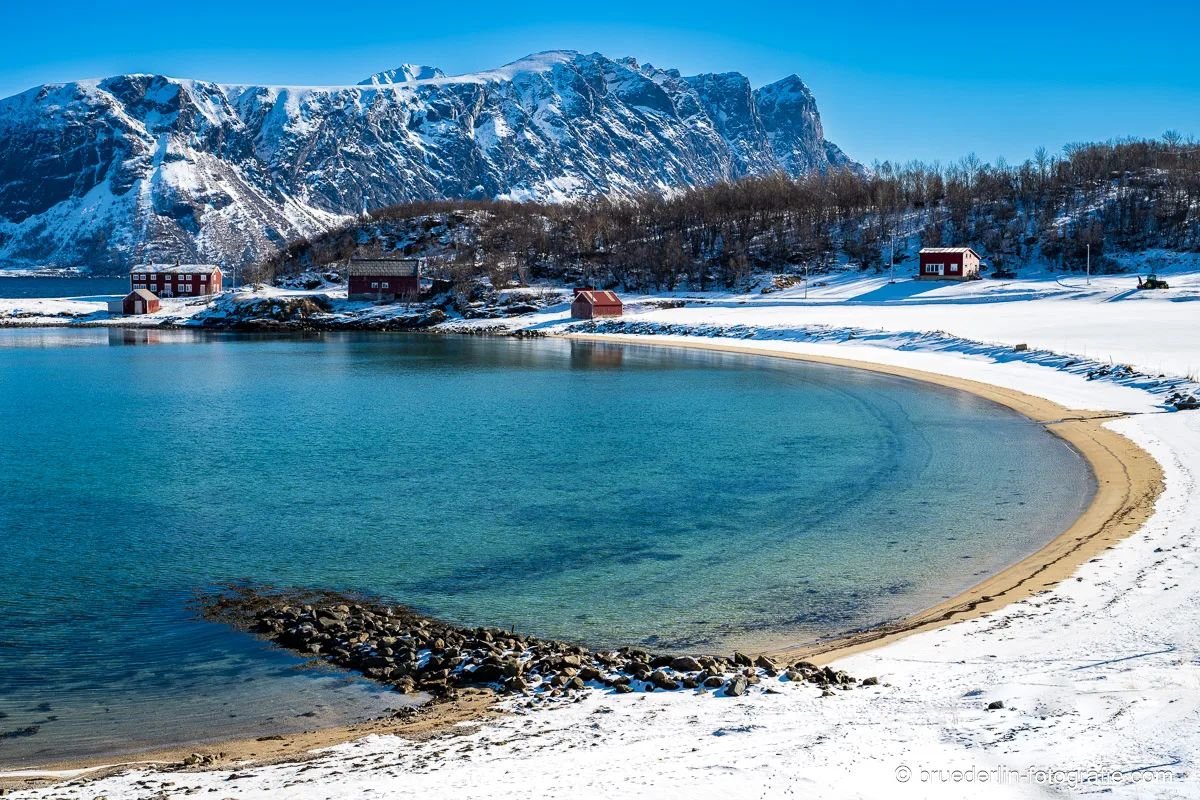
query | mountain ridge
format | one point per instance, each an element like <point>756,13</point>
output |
<point>105,173</point>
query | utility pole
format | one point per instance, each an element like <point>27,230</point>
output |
<point>1089,263</point>
<point>892,260</point>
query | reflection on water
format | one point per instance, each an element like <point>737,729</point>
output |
<point>590,355</point>
<point>124,336</point>
<point>98,336</point>
<point>20,338</point>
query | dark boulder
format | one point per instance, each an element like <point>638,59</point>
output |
<point>663,681</point>
<point>685,664</point>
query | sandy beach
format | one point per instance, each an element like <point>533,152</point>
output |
<point>1128,481</point>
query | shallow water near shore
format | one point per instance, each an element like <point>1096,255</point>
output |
<point>677,500</point>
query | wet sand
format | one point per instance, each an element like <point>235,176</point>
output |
<point>470,706</point>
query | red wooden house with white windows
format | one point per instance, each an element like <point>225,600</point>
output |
<point>177,280</point>
<point>948,264</point>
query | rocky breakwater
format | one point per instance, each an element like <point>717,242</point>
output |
<point>315,312</point>
<point>414,653</point>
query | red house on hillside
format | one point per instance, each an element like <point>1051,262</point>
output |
<point>383,278</point>
<point>948,264</point>
<point>590,304</point>
<point>177,280</point>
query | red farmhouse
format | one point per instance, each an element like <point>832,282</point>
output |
<point>383,278</point>
<point>948,263</point>
<point>591,304</point>
<point>177,280</point>
<point>140,301</point>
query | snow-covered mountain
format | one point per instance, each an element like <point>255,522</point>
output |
<point>403,74</point>
<point>105,173</point>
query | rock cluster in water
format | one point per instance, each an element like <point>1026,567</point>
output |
<point>414,653</point>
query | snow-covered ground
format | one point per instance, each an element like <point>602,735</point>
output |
<point>1099,677</point>
<point>177,311</point>
<point>93,310</point>
<point>1106,320</point>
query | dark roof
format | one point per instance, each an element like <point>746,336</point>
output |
<point>604,298</point>
<point>386,267</point>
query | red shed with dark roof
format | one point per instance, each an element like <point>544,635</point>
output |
<point>591,304</point>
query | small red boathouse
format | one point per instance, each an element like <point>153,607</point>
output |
<point>140,301</point>
<point>590,304</point>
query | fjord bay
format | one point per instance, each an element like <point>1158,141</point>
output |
<point>590,492</point>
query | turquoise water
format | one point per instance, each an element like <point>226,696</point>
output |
<point>591,492</point>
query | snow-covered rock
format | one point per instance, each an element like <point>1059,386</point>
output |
<point>103,173</point>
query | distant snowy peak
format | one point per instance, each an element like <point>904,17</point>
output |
<point>403,74</point>
<point>108,173</point>
<point>531,65</point>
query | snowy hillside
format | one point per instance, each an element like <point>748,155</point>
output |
<point>104,173</point>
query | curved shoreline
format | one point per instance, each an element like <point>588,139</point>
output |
<point>1128,481</point>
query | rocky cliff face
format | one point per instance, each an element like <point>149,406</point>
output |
<point>107,173</point>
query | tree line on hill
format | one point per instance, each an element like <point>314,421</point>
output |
<point>1127,195</point>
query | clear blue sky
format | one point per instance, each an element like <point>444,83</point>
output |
<point>934,81</point>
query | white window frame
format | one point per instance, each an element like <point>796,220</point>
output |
<point>935,269</point>
<point>383,285</point>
